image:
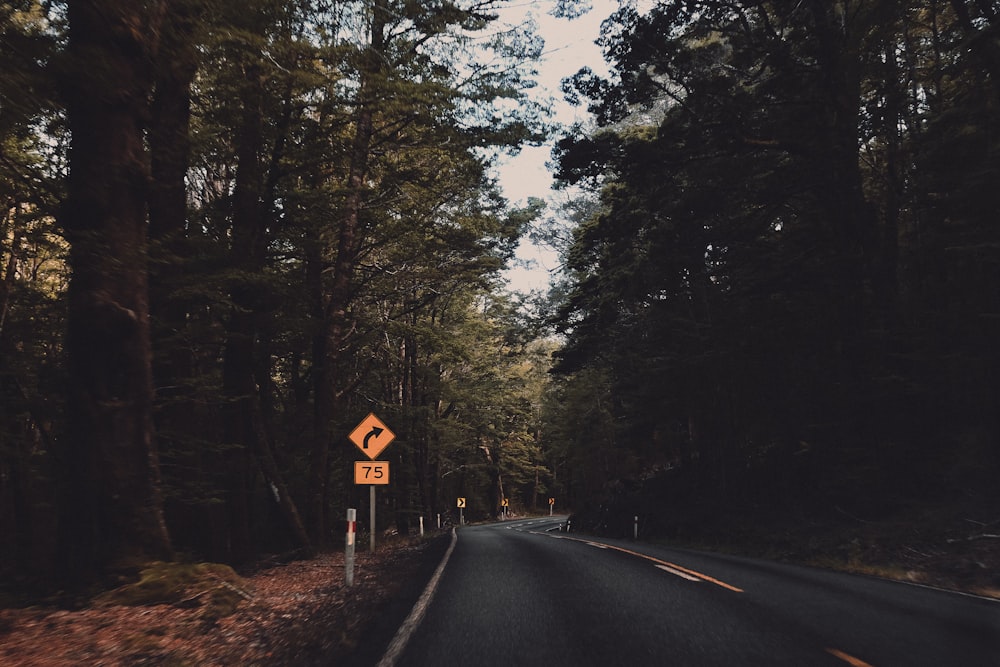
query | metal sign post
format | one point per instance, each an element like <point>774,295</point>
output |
<point>371,503</point>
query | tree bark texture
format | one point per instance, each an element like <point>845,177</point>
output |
<point>111,507</point>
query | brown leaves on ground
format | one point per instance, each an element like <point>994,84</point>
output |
<point>301,613</point>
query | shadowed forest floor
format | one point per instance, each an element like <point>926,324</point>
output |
<point>300,613</point>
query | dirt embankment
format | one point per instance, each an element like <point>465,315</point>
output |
<point>300,613</point>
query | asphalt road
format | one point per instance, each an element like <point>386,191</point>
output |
<point>522,593</point>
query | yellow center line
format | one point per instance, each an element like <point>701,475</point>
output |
<point>694,573</point>
<point>849,659</point>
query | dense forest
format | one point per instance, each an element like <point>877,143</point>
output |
<point>783,292</point>
<point>231,230</point>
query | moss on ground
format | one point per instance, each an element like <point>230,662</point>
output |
<point>213,587</point>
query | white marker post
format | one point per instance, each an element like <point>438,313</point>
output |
<point>352,516</point>
<point>635,528</point>
<point>421,526</point>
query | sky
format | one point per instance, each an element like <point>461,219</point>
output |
<point>569,46</point>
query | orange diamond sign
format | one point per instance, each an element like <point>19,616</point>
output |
<point>371,436</point>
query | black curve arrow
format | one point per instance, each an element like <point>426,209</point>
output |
<point>374,433</point>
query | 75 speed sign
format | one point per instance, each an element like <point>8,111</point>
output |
<point>371,472</point>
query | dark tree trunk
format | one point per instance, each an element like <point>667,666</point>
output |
<point>110,502</point>
<point>173,363</point>
<point>336,325</point>
<point>848,221</point>
<point>247,253</point>
<point>10,269</point>
<point>169,143</point>
<point>244,430</point>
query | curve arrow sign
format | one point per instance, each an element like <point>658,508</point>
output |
<point>371,436</point>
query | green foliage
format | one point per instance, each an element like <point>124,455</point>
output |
<point>275,100</point>
<point>33,278</point>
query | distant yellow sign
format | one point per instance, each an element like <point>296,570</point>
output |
<point>371,436</point>
<point>461,502</point>
<point>371,472</point>
<point>505,503</point>
<point>552,501</point>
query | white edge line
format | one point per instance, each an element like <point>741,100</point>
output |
<point>409,626</point>
<point>680,574</point>
<point>597,544</point>
<point>938,589</point>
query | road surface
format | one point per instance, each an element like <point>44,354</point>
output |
<point>524,593</point>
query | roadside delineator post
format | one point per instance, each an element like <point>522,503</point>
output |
<point>635,528</point>
<point>352,516</point>
<point>421,526</point>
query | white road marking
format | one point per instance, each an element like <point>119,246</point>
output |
<point>406,630</point>
<point>680,574</point>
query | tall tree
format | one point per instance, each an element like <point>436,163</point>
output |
<point>111,507</point>
<point>335,326</point>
